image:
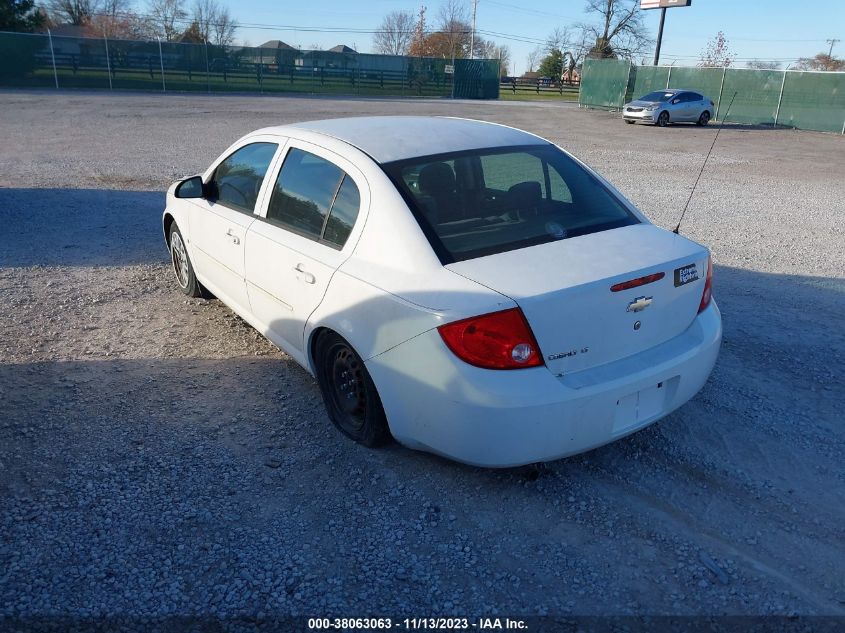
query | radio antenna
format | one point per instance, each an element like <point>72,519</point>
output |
<point>701,171</point>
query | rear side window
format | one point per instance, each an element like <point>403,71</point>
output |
<point>503,199</point>
<point>314,198</point>
<point>238,178</point>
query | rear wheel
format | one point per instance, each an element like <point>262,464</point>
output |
<point>704,119</point>
<point>663,119</point>
<point>182,267</point>
<point>351,399</point>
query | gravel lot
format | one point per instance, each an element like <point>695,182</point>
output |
<point>160,458</point>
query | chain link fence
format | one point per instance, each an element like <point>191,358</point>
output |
<point>777,98</point>
<point>39,60</point>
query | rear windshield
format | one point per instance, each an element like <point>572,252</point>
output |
<point>483,202</point>
<point>658,96</point>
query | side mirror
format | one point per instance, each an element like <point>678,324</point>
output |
<point>675,101</point>
<point>190,188</point>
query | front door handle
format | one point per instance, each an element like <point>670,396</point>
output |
<point>235,239</point>
<point>304,275</point>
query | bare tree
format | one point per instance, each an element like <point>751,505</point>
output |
<point>214,22</point>
<point>77,12</point>
<point>453,23</point>
<point>559,40</point>
<point>223,30</point>
<point>395,33</point>
<point>718,52</point>
<point>533,57</point>
<point>166,17</point>
<point>763,65</point>
<point>503,54</point>
<point>620,32</point>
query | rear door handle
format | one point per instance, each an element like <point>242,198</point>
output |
<point>304,275</point>
<point>235,239</point>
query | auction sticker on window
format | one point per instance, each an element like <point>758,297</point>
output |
<point>685,274</point>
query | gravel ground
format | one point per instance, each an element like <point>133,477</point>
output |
<point>160,458</point>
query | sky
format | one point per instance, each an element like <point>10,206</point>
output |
<point>781,30</point>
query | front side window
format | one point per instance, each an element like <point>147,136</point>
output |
<point>483,202</point>
<point>237,180</point>
<point>314,198</point>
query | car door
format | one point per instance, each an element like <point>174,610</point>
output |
<point>309,224</point>
<point>219,226</point>
<point>688,107</point>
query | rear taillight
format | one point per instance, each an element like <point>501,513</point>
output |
<point>707,295</point>
<point>499,340</point>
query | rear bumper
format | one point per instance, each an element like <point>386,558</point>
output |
<point>436,403</point>
<point>646,117</point>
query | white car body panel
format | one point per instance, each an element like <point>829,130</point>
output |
<point>386,292</point>
<point>502,419</point>
<point>572,274</point>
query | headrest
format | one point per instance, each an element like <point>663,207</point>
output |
<point>437,178</point>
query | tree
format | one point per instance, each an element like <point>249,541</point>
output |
<point>552,65</point>
<point>76,12</point>
<point>762,65</point>
<point>214,22</point>
<point>193,34</point>
<point>417,47</point>
<point>166,16</point>
<point>454,31</point>
<point>395,34</point>
<point>822,61</point>
<point>20,15</point>
<point>503,54</point>
<point>533,56</point>
<point>620,32</point>
<point>717,53</point>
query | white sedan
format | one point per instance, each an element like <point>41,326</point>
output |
<point>467,288</point>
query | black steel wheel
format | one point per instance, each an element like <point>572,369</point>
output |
<point>351,399</point>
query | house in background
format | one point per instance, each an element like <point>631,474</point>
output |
<point>337,57</point>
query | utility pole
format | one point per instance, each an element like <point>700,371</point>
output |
<point>832,43</point>
<point>472,35</point>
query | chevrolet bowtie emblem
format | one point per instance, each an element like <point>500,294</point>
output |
<point>639,304</point>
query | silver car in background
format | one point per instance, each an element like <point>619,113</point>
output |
<point>662,107</point>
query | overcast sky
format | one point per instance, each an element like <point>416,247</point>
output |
<point>782,30</point>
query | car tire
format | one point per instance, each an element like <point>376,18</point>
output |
<point>704,119</point>
<point>350,396</point>
<point>183,269</point>
<point>663,119</point>
<point>629,122</point>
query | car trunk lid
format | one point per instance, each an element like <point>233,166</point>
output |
<point>564,290</point>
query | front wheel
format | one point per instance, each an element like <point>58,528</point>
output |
<point>351,399</point>
<point>182,267</point>
<point>704,119</point>
<point>663,119</point>
<point>629,122</point>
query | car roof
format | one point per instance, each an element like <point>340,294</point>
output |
<point>391,138</point>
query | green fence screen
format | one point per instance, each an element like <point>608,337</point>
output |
<point>604,82</point>
<point>813,101</point>
<point>476,79</point>
<point>32,60</point>
<point>645,79</point>
<point>803,100</point>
